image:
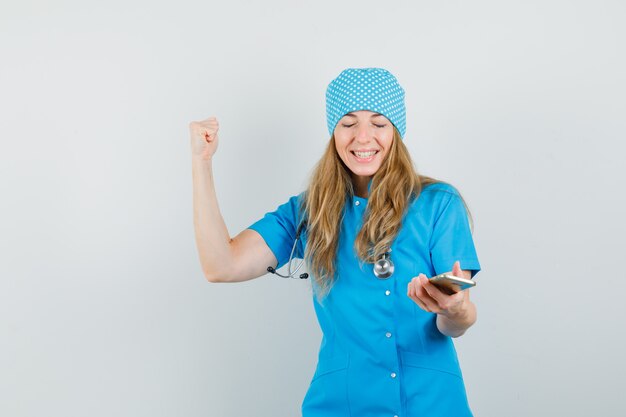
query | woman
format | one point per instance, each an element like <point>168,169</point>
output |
<point>386,348</point>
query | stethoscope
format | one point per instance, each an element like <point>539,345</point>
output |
<point>383,268</point>
<point>291,274</point>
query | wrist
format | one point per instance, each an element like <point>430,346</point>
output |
<point>199,159</point>
<point>461,314</point>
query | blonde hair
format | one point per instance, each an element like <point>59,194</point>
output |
<point>394,186</point>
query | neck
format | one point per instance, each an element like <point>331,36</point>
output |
<point>359,185</point>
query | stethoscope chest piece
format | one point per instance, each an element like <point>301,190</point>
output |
<point>383,268</point>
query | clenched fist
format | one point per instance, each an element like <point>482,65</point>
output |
<point>204,137</point>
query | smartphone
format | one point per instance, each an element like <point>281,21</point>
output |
<point>451,284</point>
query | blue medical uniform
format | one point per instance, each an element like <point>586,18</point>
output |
<point>381,355</point>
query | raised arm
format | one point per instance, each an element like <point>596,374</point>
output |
<point>223,259</point>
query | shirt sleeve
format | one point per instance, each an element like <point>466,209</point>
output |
<point>278,229</point>
<point>451,239</point>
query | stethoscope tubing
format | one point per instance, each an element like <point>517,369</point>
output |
<point>383,268</point>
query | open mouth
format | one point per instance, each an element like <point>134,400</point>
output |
<point>364,155</point>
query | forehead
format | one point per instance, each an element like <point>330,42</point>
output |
<point>362,114</point>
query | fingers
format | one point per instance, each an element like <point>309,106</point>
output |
<point>434,292</point>
<point>412,293</point>
<point>206,129</point>
<point>210,122</point>
<point>204,137</point>
<point>456,269</point>
<point>418,293</point>
<point>430,298</point>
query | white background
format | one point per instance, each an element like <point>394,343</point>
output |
<point>103,307</point>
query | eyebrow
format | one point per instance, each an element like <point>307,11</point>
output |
<point>353,115</point>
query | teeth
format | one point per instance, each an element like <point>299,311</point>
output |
<point>364,154</point>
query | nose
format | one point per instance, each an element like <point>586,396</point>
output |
<point>363,133</point>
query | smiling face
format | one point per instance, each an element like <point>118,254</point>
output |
<point>362,140</point>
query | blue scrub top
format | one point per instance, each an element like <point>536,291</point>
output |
<point>381,355</point>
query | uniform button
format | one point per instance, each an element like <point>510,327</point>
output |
<point>387,292</point>
<point>356,203</point>
<point>393,375</point>
<point>388,334</point>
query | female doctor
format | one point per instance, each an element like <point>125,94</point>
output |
<point>371,231</point>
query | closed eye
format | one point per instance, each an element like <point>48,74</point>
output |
<point>378,126</point>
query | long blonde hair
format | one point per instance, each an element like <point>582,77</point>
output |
<point>394,186</point>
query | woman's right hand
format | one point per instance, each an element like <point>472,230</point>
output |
<point>204,137</point>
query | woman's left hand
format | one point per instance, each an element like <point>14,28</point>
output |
<point>458,310</point>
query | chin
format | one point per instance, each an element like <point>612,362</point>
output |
<point>364,172</point>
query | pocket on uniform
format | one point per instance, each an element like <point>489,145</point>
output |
<point>328,394</point>
<point>328,365</point>
<point>434,387</point>
<point>419,360</point>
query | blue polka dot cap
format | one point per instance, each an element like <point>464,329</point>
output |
<point>373,89</point>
